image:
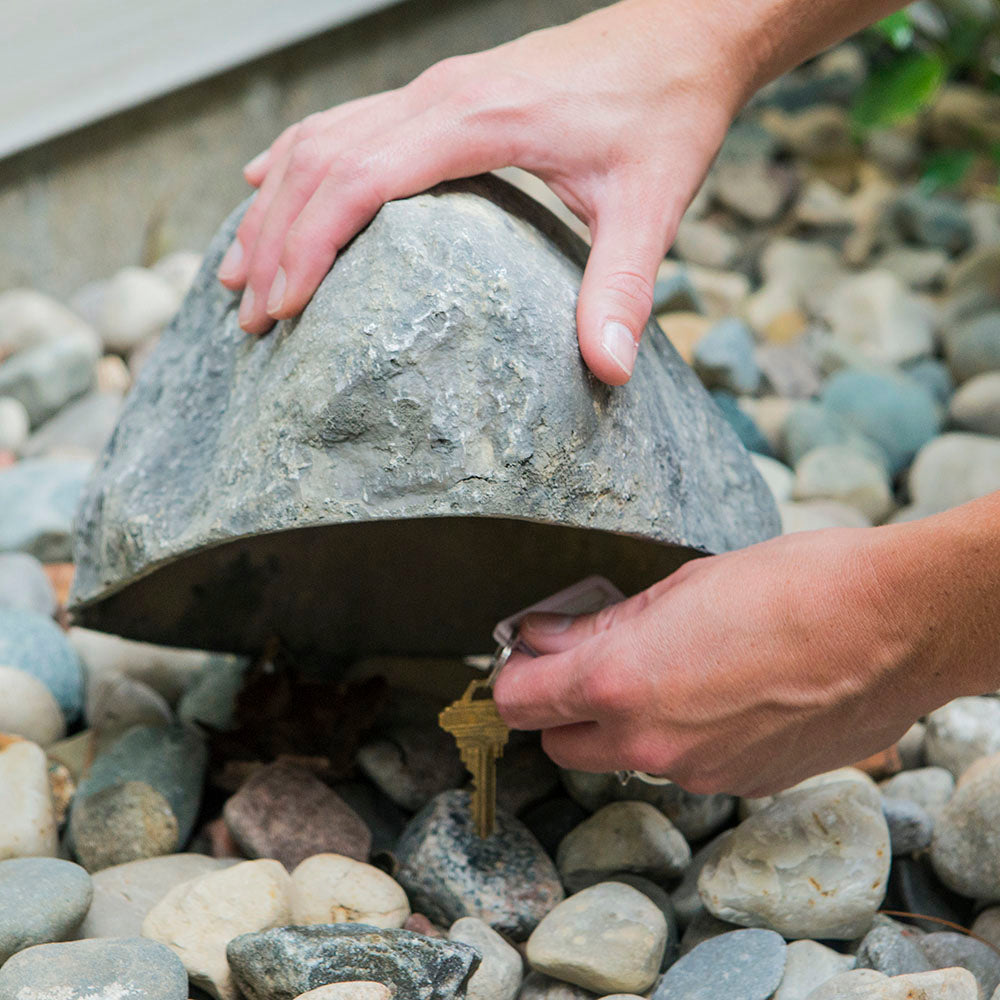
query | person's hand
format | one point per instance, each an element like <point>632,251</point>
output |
<point>620,112</point>
<point>750,671</point>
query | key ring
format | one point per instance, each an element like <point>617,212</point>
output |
<point>500,658</point>
<point>648,779</point>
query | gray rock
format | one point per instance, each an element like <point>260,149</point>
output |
<point>953,469</point>
<point>973,347</point>
<point>608,938</point>
<point>724,358</point>
<point>916,889</point>
<point>930,787</point>
<point>740,965</point>
<point>966,847</point>
<point>822,854</point>
<point>949,950</point>
<point>24,585</point>
<point>750,435</point>
<point>911,827</point>
<point>934,376</point>
<point>893,949</point>
<point>706,243</point>
<point>459,358</point>
<point>934,221</point>
<point>501,971</point>
<point>80,430</point>
<point>28,709</point>
<point>811,271</point>
<point>841,473</point>
<point>962,731</point>
<point>685,898</point>
<point>856,984</point>
<point>124,894</point>
<point>893,411</point>
<point>115,703</point>
<point>987,925</point>
<point>789,369</point>
<point>14,423</point>
<point>35,644</point>
<point>811,425</point>
<point>976,405</point>
<point>29,318</point>
<point>919,267</point>
<point>45,378</point>
<point>448,871</point>
<point>212,697</point>
<point>44,900</point>
<point>170,760</point>
<point>38,497</point>
<point>623,836</point>
<point>537,986</point>
<point>125,969</point>
<point>704,927</point>
<point>809,964</point>
<point>280,964</point>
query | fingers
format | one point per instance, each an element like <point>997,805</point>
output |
<point>547,633</point>
<point>616,296</point>
<point>541,693</point>
<point>580,747</point>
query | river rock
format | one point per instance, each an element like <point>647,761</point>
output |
<point>962,731</point>
<point>685,899</point>
<point>892,410</point>
<point>198,919</point>
<point>810,270</point>
<point>809,964</point>
<point>124,894</point>
<point>724,358</point>
<point>987,925</point>
<point>500,973</point>
<point>930,787</point>
<point>25,586</point>
<point>739,965</point>
<point>45,378</point>
<point>35,644</point>
<point>934,376</point>
<point>866,984</point>
<point>348,991</point>
<point>934,220</point>
<point>706,243</point>
<point>280,964</point>
<point>953,469</point>
<point>44,900</point>
<point>911,827</point>
<point>840,473</point>
<point>921,268</point>
<point>537,986</point>
<point>622,837</point>
<point>947,950</point>
<point>966,847</point>
<point>122,969</point>
<point>137,304</point>
<point>286,812</point>
<point>779,478</point>
<point>893,949</point>
<point>211,698</point>
<point>28,709</point>
<point>976,405</point>
<point>821,853</point>
<point>15,424</point>
<point>448,871</point>
<point>29,318</point>
<point>80,430</point>
<point>116,703</point>
<point>331,889</point>
<point>29,825</point>
<point>608,938</point>
<point>973,346</point>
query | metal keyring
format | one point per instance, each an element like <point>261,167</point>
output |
<point>500,658</point>
<point>649,779</point>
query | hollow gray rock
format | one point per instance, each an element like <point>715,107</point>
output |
<point>417,455</point>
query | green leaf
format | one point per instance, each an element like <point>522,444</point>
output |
<point>946,169</point>
<point>896,29</point>
<point>898,89</point>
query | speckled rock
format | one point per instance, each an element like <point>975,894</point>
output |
<point>623,836</point>
<point>198,919</point>
<point>280,964</point>
<point>448,872</point>
<point>124,894</point>
<point>446,333</point>
<point>500,973</point>
<point>286,812</point>
<point>35,644</point>
<point>948,949</point>
<point>930,787</point>
<point>822,854</point>
<point>856,984</point>
<point>29,824</point>
<point>348,991</point>
<point>28,709</point>
<point>740,965</point>
<point>122,969</point>
<point>893,949</point>
<point>331,889</point>
<point>608,938</point>
<point>961,732</point>
<point>966,847</point>
<point>809,964</point>
<point>44,900</point>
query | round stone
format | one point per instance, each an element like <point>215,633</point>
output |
<point>35,644</point>
<point>622,837</point>
<point>24,585</point>
<point>814,863</point>
<point>197,919</point>
<point>44,900</point>
<point>911,827</point>
<point>966,847</point>
<point>779,478</point>
<point>29,824</point>
<point>724,358</point>
<point>976,405</point>
<point>961,732</point>
<point>840,473</point>
<point>739,965</point>
<point>953,469</point>
<point>348,991</point>
<point>137,304</point>
<point>449,871</point>
<point>14,424</point>
<point>930,787</point>
<point>973,347</point>
<point>331,889</point>
<point>892,949</point>
<point>809,964</point>
<point>500,973</point>
<point>948,949</point>
<point>28,709</point>
<point>115,703</point>
<point>608,938</point>
<point>125,969</point>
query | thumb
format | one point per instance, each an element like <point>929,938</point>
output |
<point>616,296</point>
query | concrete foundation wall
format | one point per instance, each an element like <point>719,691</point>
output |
<point>162,176</point>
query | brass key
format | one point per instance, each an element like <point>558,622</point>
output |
<point>481,736</point>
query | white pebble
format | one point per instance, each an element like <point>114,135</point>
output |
<point>348,991</point>
<point>334,889</point>
<point>137,305</point>
<point>500,975</point>
<point>28,828</point>
<point>15,424</point>
<point>28,709</point>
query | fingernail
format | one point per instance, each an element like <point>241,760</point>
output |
<point>545,624</point>
<point>618,341</point>
<point>277,294</point>
<point>231,262</point>
<point>246,306</point>
<point>256,162</point>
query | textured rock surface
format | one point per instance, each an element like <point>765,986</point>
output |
<point>280,964</point>
<point>500,973</point>
<point>809,964</point>
<point>961,732</point>
<point>814,863</point>
<point>507,880</point>
<point>331,889</point>
<point>435,374</point>
<point>608,938</point>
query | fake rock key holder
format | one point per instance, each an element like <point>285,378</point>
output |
<point>419,453</point>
